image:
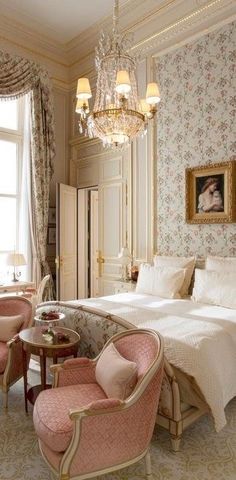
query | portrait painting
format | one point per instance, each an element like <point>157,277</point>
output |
<point>210,193</point>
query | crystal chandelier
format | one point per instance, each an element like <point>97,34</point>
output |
<point>118,115</point>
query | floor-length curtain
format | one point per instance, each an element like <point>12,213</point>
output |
<point>19,76</point>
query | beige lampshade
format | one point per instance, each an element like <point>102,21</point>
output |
<point>15,259</point>
<point>83,89</point>
<point>125,256</point>
<point>152,93</point>
<point>81,106</point>
<point>123,84</point>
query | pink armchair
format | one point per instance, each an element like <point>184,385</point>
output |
<point>83,432</point>
<point>11,368</point>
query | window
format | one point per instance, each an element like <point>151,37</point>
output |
<point>11,141</point>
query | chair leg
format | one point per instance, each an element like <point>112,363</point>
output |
<point>175,443</point>
<point>5,399</point>
<point>148,466</point>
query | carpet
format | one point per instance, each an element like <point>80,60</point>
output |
<point>204,455</point>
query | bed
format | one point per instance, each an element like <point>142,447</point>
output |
<point>200,349</point>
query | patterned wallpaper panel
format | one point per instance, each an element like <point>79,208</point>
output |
<point>196,126</point>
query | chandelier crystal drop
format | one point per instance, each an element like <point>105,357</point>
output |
<point>118,115</point>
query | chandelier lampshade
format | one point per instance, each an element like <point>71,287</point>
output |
<point>118,116</point>
<point>152,93</point>
<point>123,85</point>
<point>83,89</point>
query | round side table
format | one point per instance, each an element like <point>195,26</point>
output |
<point>34,342</point>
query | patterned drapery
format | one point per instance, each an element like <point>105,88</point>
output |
<point>19,76</point>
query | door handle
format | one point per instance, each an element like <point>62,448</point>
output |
<point>100,261</point>
<point>59,262</point>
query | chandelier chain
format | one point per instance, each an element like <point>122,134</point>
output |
<point>115,17</point>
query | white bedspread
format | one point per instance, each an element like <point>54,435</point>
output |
<point>199,339</point>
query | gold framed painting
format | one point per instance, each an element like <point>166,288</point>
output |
<point>211,193</point>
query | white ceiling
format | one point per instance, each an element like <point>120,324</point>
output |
<point>61,20</point>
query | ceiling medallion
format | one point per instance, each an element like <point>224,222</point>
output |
<point>118,115</point>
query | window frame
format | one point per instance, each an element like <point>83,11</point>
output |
<point>15,136</point>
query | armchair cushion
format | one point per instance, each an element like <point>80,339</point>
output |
<point>115,374</point>
<point>10,326</point>
<point>3,356</point>
<point>56,430</point>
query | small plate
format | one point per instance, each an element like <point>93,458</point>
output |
<point>50,320</point>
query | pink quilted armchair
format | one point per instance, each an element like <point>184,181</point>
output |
<point>84,429</point>
<point>15,314</point>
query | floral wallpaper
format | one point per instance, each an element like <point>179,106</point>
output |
<point>196,126</point>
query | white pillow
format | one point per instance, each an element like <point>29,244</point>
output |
<point>179,262</point>
<point>164,282</point>
<point>216,288</point>
<point>115,374</point>
<point>221,264</point>
<point>10,326</point>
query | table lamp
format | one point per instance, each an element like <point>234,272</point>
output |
<point>15,260</point>
<point>125,259</point>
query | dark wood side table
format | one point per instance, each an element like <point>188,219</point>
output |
<point>34,342</point>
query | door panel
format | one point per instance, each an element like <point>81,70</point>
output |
<point>66,242</point>
<point>114,217</point>
<point>83,243</point>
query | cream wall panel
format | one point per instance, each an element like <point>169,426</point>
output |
<point>140,200</point>
<point>142,184</point>
<point>110,169</point>
<point>61,131</point>
<point>87,175</point>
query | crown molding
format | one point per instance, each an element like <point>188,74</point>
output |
<point>132,14</point>
<point>160,51</point>
<point>31,40</point>
<point>164,27</point>
<point>156,27</point>
<point>206,17</point>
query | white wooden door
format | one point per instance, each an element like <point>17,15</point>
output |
<point>113,218</point>
<point>83,255</point>
<point>66,242</point>
<point>94,285</point>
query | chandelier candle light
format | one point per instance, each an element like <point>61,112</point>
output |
<point>118,115</point>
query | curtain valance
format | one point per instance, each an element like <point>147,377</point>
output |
<point>19,76</point>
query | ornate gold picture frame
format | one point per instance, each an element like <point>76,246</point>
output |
<point>211,193</point>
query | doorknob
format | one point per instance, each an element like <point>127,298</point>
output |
<point>100,261</point>
<point>59,262</point>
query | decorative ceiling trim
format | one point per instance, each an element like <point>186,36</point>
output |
<point>172,36</point>
<point>185,23</point>
<point>155,30</point>
<point>42,45</point>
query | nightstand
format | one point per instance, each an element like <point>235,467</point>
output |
<point>124,286</point>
